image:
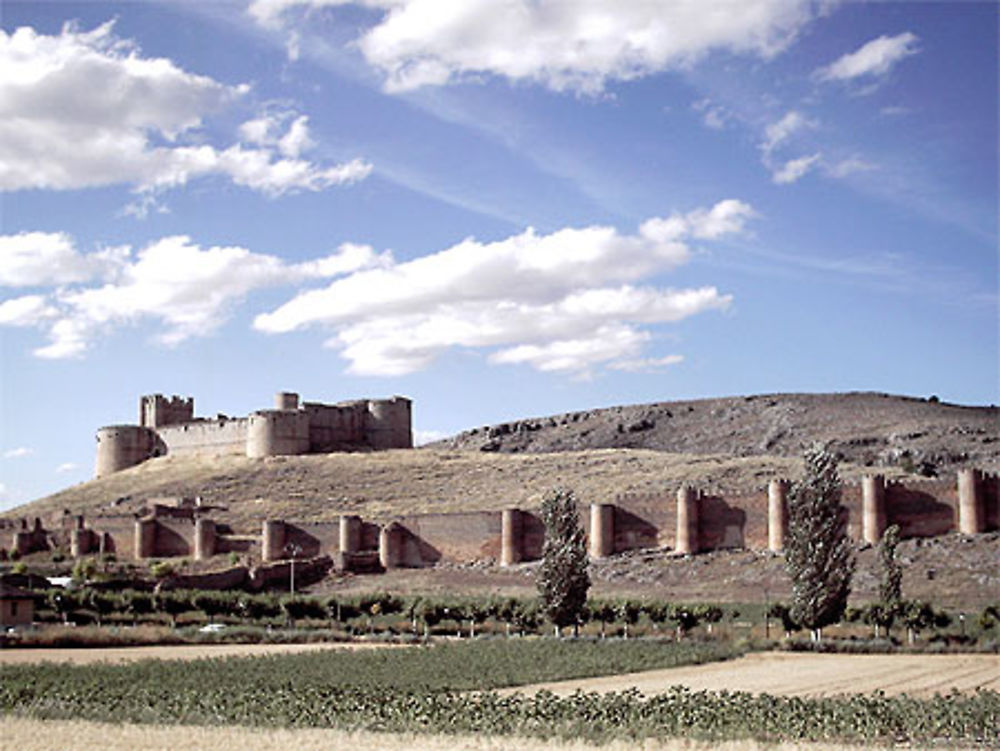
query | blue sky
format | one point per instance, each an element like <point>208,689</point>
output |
<point>499,209</point>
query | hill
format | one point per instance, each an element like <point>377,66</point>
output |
<point>863,428</point>
<point>727,446</point>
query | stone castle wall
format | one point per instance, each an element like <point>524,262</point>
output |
<point>688,521</point>
<point>206,437</point>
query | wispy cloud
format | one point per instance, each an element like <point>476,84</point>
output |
<point>873,59</point>
<point>18,453</point>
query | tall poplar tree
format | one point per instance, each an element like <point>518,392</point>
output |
<point>818,555</point>
<point>563,579</point>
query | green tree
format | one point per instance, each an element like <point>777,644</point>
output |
<point>818,554</point>
<point>562,579</point>
<point>890,589</point>
<point>138,604</point>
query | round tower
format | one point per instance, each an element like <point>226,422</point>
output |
<point>388,423</point>
<point>273,544</point>
<point>873,518</point>
<point>390,546</point>
<point>204,539</point>
<point>273,432</point>
<point>687,521</point>
<point>602,530</point>
<point>777,514</point>
<point>350,533</point>
<point>122,446</point>
<point>970,501</point>
<point>511,537</point>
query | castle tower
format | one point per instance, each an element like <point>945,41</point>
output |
<point>388,423</point>
<point>156,411</point>
<point>687,521</point>
<point>970,502</point>
<point>777,514</point>
<point>602,530</point>
<point>873,517</point>
<point>122,446</point>
<point>511,537</point>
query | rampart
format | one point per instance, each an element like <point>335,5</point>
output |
<point>168,426</point>
<point>684,522</point>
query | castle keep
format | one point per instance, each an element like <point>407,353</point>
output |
<point>168,426</point>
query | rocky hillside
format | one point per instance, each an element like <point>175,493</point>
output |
<point>869,429</point>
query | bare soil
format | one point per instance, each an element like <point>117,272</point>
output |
<point>45,735</point>
<point>78,656</point>
<point>808,675</point>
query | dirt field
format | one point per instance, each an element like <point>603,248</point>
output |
<point>80,656</point>
<point>36,735</point>
<point>793,674</point>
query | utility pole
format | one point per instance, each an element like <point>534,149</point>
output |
<point>293,550</point>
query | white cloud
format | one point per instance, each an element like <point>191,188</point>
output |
<point>559,302</point>
<point>713,115</point>
<point>780,132</point>
<point>795,169</point>
<point>423,437</point>
<point>873,59</point>
<point>85,109</point>
<point>66,467</point>
<point>18,453</point>
<point>29,310</point>
<point>31,259</point>
<point>577,46</point>
<point>188,290</point>
<point>850,166</point>
<point>648,365</point>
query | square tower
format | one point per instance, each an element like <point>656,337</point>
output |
<point>156,411</point>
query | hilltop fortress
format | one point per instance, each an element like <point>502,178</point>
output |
<point>168,426</point>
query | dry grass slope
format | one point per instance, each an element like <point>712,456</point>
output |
<point>379,485</point>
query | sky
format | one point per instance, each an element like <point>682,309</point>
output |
<point>498,208</point>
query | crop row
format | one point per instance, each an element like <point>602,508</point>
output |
<point>444,689</point>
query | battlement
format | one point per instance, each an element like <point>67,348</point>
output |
<point>167,426</point>
<point>156,411</point>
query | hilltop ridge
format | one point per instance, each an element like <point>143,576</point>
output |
<point>867,428</point>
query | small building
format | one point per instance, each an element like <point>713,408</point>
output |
<point>17,606</point>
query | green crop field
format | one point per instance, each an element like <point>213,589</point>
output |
<point>445,689</point>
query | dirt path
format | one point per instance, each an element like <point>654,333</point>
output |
<point>84,656</point>
<point>39,735</point>
<point>792,674</point>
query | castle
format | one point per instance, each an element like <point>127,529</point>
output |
<point>168,426</point>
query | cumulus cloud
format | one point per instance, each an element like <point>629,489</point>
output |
<point>85,109</point>
<point>872,60</point>
<point>18,453</point>
<point>564,302</point>
<point>795,169</point>
<point>31,259</point>
<point>187,289</point>
<point>577,46</point>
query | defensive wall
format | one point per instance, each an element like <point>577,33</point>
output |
<point>687,522</point>
<point>168,426</point>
